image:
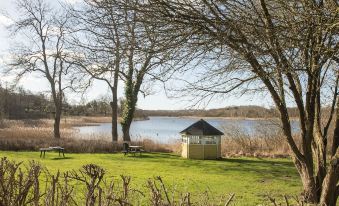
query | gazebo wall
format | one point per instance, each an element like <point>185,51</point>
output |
<point>200,151</point>
<point>184,150</point>
<point>210,151</point>
<point>195,151</point>
<point>201,147</point>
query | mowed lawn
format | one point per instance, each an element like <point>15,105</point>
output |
<point>251,179</point>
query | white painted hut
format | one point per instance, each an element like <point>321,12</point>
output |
<point>201,141</point>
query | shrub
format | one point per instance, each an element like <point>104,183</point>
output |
<point>88,186</point>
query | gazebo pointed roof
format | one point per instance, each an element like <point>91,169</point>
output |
<point>201,127</point>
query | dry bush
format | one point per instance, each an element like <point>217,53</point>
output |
<point>33,138</point>
<point>34,185</point>
<point>41,123</point>
<point>176,147</point>
<point>265,141</point>
<point>286,201</point>
<point>152,146</point>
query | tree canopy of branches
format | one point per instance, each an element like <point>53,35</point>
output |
<point>43,31</point>
<point>118,43</point>
<point>150,56</point>
<point>286,48</point>
<point>99,46</point>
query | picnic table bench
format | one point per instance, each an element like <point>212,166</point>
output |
<point>132,149</point>
<point>59,149</point>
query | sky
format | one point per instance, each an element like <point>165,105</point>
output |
<point>158,100</point>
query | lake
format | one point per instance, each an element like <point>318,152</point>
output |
<point>166,129</point>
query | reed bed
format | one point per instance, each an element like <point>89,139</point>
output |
<point>266,140</point>
<point>30,135</point>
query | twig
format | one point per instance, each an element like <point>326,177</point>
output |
<point>229,199</point>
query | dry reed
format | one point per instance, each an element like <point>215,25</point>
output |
<point>265,140</point>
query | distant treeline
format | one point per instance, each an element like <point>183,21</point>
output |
<point>233,111</point>
<point>21,104</point>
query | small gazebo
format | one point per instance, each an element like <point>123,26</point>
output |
<point>201,141</point>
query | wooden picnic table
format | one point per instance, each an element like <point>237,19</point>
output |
<point>59,149</point>
<point>135,149</point>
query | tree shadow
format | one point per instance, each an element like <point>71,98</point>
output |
<point>265,168</point>
<point>262,167</point>
<point>256,161</point>
<point>62,158</point>
<point>153,155</point>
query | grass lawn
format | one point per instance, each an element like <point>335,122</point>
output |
<point>249,178</point>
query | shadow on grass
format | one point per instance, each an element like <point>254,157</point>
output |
<point>256,161</point>
<point>262,167</point>
<point>61,158</point>
<point>267,168</point>
<point>153,156</point>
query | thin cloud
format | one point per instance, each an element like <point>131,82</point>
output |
<point>72,1</point>
<point>5,21</point>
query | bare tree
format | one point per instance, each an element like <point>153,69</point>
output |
<point>42,50</point>
<point>285,48</point>
<point>99,47</point>
<point>115,42</point>
<point>138,63</point>
<point>150,56</point>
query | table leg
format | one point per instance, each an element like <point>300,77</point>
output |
<point>63,153</point>
<point>44,153</point>
<point>40,153</point>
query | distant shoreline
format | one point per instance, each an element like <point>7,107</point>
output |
<point>107,119</point>
<point>230,118</point>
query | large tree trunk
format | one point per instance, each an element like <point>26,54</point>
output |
<point>310,192</point>
<point>125,131</point>
<point>330,188</point>
<point>114,122</point>
<point>128,109</point>
<point>114,106</point>
<point>128,114</point>
<point>57,118</point>
<point>57,99</point>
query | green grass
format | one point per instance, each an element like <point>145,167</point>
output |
<point>249,178</point>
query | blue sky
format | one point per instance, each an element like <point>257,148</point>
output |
<point>158,99</point>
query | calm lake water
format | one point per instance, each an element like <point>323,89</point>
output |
<point>166,129</point>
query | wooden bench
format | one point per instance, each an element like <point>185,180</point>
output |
<point>59,149</point>
<point>132,149</point>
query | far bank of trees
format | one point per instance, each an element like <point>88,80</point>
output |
<point>22,104</point>
<point>18,103</point>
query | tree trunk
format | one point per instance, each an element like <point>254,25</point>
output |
<point>329,193</point>
<point>57,118</point>
<point>125,131</point>
<point>114,103</point>
<point>330,189</point>
<point>127,117</point>
<point>114,106</point>
<point>309,187</point>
